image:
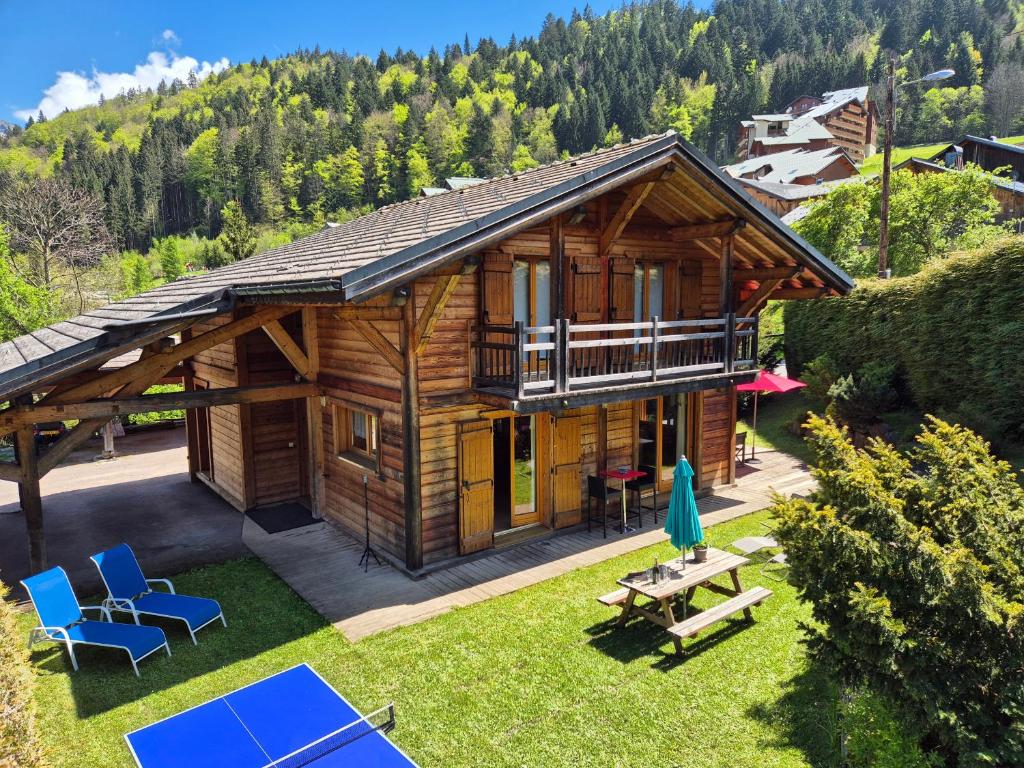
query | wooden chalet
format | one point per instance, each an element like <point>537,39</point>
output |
<point>474,354</point>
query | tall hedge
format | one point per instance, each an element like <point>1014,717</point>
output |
<point>955,332</point>
<point>19,741</point>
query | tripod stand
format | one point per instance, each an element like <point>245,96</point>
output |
<point>368,550</point>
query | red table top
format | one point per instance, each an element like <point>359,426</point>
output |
<point>618,474</point>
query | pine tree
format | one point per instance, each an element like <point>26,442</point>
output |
<point>237,235</point>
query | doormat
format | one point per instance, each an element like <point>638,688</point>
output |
<point>277,518</point>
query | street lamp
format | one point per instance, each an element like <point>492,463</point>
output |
<point>890,119</point>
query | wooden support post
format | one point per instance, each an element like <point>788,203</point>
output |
<point>108,440</point>
<point>411,438</point>
<point>188,380</point>
<point>314,413</point>
<point>31,498</point>
<point>556,257</point>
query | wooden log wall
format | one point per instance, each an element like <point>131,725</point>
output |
<point>276,436</point>
<point>351,371</point>
<point>217,367</point>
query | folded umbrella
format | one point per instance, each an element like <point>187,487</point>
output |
<point>682,523</point>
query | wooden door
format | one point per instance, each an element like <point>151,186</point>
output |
<point>476,486</point>
<point>567,471</point>
<point>689,290</point>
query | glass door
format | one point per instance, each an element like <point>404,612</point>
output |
<point>663,434</point>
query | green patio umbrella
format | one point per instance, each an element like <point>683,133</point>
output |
<point>683,522</point>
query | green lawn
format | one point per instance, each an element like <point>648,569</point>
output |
<point>873,164</point>
<point>539,677</point>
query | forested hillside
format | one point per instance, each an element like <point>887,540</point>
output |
<point>300,138</point>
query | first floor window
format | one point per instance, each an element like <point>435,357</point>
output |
<point>357,436</point>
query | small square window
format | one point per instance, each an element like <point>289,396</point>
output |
<point>357,436</point>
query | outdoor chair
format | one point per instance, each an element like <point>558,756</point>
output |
<point>741,447</point>
<point>776,567</point>
<point>597,488</point>
<point>128,590</point>
<point>61,620</point>
<point>645,483</point>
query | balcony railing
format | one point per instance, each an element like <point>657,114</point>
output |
<point>531,361</point>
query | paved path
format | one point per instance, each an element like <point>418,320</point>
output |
<point>143,497</point>
<point>320,562</point>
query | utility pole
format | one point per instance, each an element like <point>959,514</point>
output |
<point>890,119</point>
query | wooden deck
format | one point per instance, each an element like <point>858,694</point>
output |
<point>320,562</point>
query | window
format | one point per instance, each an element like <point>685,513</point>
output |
<point>649,292</point>
<point>532,292</point>
<point>357,436</point>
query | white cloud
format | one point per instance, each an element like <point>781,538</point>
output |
<point>73,90</point>
<point>168,36</point>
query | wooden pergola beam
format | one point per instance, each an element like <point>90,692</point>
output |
<point>706,231</point>
<point>443,289</point>
<point>800,293</point>
<point>287,346</point>
<point>31,498</point>
<point>757,298</point>
<point>153,367</point>
<point>613,230</point>
<point>105,409</point>
<point>380,343</point>
<point>770,273</point>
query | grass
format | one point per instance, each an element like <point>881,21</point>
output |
<point>873,164</point>
<point>774,415</point>
<point>537,677</point>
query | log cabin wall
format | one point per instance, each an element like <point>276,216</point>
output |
<point>353,373</point>
<point>275,438</point>
<point>212,368</point>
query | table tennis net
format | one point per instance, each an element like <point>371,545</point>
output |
<point>382,721</point>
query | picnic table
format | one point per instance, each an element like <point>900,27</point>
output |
<point>679,580</point>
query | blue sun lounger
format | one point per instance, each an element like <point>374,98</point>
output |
<point>128,590</point>
<point>61,620</point>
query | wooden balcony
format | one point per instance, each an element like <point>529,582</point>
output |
<point>579,364</point>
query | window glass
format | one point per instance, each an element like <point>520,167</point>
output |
<point>656,289</point>
<point>525,469</point>
<point>542,291</point>
<point>521,291</point>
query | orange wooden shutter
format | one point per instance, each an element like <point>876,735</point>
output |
<point>689,291</point>
<point>622,290</point>
<point>476,486</point>
<point>586,289</point>
<point>567,472</point>
<point>497,289</point>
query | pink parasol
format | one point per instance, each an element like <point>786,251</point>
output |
<point>766,381</point>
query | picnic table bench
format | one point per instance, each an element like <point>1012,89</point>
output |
<point>684,577</point>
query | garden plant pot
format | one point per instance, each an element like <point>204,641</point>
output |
<point>700,554</point>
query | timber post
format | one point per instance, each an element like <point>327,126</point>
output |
<point>411,438</point>
<point>30,498</point>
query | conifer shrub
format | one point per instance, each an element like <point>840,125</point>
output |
<point>913,564</point>
<point>19,742</point>
<point>953,332</point>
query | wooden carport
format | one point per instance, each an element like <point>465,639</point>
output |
<point>94,397</point>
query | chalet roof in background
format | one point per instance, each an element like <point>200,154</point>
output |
<point>783,167</point>
<point>797,191</point>
<point>803,130</point>
<point>833,100</point>
<point>1016,149</point>
<point>1017,187</point>
<point>367,255</point>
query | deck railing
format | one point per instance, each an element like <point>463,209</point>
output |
<point>527,361</point>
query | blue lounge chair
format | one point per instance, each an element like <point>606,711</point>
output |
<point>61,621</point>
<point>129,591</point>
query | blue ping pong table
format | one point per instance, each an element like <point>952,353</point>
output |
<point>265,722</point>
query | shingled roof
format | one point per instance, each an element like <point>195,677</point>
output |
<point>373,253</point>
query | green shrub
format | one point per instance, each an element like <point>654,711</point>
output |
<point>157,416</point>
<point>19,741</point>
<point>819,375</point>
<point>954,333</point>
<point>914,568</point>
<point>859,400</point>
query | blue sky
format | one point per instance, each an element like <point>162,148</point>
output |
<point>102,45</point>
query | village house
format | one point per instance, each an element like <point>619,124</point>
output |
<point>473,357</point>
<point>795,167</point>
<point>845,119</point>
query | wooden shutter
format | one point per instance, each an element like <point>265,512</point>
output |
<point>622,290</point>
<point>497,293</point>
<point>586,289</point>
<point>476,486</point>
<point>567,471</point>
<point>689,292</point>
<point>671,304</point>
